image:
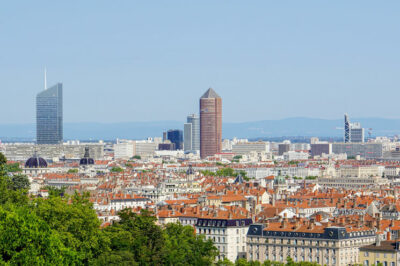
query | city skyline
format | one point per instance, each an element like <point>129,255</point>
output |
<point>268,49</point>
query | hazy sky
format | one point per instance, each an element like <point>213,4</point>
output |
<point>152,60</point>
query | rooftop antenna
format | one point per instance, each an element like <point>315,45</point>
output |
<point>45,79</point>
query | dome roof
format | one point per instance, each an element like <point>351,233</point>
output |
<point>36,162</point>
<point>190,170</point>
<point>86,160</point>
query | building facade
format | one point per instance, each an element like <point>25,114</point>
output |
<point>192,133</point>
<point>228,235</point>
<point>187,136</point>
<point>210,124</point>
<point>49,115</point>
<point>365,150</point>
<point>307,242</point>
<point>247,147</point>
<point>385,253</point>
<point>353,132</point>
<point>176,137</point>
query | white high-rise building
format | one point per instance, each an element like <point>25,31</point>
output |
<point>191,134</point>
<point>124,149</point>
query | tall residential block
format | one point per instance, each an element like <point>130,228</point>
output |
<point>191,135</point>
<point>49,115</point>
<point>210,124</point>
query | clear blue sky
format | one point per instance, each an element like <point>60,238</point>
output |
<point>152,60</point>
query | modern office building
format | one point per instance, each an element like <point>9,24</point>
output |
<point>187,136</point>
<point>176,137</point>
<point>166,146</point>
<point>124,149</point>
<point>21,151</point>
<point>318,149</point>
<point>210,123</point>
<point>191,133</point>
<point>364,150</point>
<point>49,115</point>
<point>282,148</point>
<point>248,147</point>
<point>353,132</point>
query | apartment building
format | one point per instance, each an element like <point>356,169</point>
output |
<point>228,235</point>
<point>305,240</point>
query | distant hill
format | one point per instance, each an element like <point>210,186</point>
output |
<point>297,126</point>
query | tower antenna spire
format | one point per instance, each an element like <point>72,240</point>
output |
<point>45,78</point>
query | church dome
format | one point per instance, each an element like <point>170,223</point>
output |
<point>36,162</point>
<point>86,160</point>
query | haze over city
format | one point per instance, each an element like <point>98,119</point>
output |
<point>207,133</point>
<point>142,61</point>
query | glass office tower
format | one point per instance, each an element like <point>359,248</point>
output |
<point>49,115</point>
<point>195,138</point>
<point>176,136</point>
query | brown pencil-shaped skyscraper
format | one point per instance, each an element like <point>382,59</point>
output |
<point>210,124</point>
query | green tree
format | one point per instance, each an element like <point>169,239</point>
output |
<point>184,247</point>
<point>73,171</point>
<point>55,191</point>
<point>224,262</point>
<point>226,172</point>
<point>3,159</point>
<point>13,168</point>
<point>76,221</point>
<point>138,234</point>
<point>20,182</point>
<point>25,239</point>
<point>116,169</point>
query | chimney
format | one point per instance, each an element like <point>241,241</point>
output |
<point>297,223</point>
<point>311,224</point>
<point>388,236</point>
<point>378,240</point>
<point>284,223</point>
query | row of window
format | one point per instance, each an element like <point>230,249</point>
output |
<point>384,263</point>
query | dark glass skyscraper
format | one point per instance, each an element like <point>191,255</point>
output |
<point>49,115</point>
<point>176,137</point>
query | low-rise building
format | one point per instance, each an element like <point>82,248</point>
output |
<point>228,235</point>
<point>385,253</point>
<point>307,241</point>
